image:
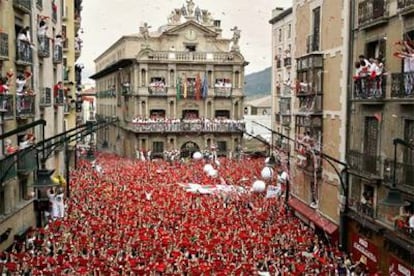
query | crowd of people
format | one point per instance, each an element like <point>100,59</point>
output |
<point>135,218</point>
<point>368,77</point>
<point>195,124</point>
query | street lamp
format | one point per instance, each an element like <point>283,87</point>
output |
<point>394,198</point>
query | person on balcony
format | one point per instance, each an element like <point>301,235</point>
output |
<point>411,222</point>
<point>4,90</point>
<point>42,32</point>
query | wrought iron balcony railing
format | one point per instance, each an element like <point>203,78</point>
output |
<point>402,85</point>
<point>6,105</point>
<point>369,88</point>
<point>287,61</point>
<point>223,91</point>
<point>405,5</point>
<point>59,97</point>
<point>4,46</point>
<point>24,52</point>
<point>371,11</point>
<point>57,54</point>
<point>364,163</point>
<point>310,105</point>
<point>45,97</point>
<point>158,90</point>
<point>312,43</point>
<point>23,5</point>
<point>25,105</point>
<point>44,46</point>
<point>177,127</point>
<point>404,173</point>
<point>106,94</point>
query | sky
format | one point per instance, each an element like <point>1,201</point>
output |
<point>104,22</point>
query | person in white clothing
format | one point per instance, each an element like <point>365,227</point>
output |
<point>54,212</point>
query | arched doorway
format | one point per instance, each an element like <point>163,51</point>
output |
<point>188,148</point>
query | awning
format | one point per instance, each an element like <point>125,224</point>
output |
<point>313,216</point>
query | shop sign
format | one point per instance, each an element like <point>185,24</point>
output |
<point>362,247</point>
<point>397,268</point>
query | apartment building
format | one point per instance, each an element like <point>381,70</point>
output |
<point>381,131</point>
<point>179,87</point>
<point>320,31</point>
<point>283,71</point>
<point>31,66</point>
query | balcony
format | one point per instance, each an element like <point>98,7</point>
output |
<point>59,97</point>
<point>44,47</point>
<point>39,4</point>
<point>197,126</point>
<point>6,105</point>
<point>8,168</point>
<point>222,91</point>
<point>27,160</point>
<point>278,118</point>
<point>402,227</point>
<point>46,97</point>
<point>404,174</point>
<point>218,57</point>
<point>66,108</point>
<point>311,105</point>
<point>312,43</point>
<point>4,46</point>
<point>287,61</point>
<point>372,13</point>
<point>23,5</point>
<point>24,53</point>
<point>57,54</point>
<point>278,63</point>
<point>372,89</point>
<point>365,164</point>
<point>402,85</point>
<point>306,89</point>
<point>110,93</point>
<point>190,93</point>
<point>25,105</point>
<point>157,90</point>
<point>286,119</point>
<point>310,163</point>
<point>405,7</point>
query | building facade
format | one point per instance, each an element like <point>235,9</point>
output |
<point>317,101</point>
<point>381,110</point>
<point>31,64</point>
<point>178,88</point>
<point>283,71</point>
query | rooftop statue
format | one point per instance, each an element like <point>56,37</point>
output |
<point>236,38</point>
<point>175,16</point>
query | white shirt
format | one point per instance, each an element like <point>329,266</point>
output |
<point>411,222</point>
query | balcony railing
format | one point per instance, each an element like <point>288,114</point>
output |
<point>311,104</point>
<point>287,61</point>
<point>57,54</point>
<point>307,89</point>
<point>46,97</point>
<point>402,226</point>
<point>402,85</point>
<point>366,210</point>
<point>405,6</point>
<point>222,91</point>
<point>25,105</point>
<point>44,46</point>
<point>176,127</point>
<point>24,52</point>
<point>370,88</point>
<point>60,97</point>
<point>371,11</point>
<point>27,160</point>
<point>6,105</point>
<point>312,43</point>
<point>106,94</point>
<point>278,63</point>
<point>364,163</point>
<point>4,46</point>
<point>8,168</point>
<point>191,56</point>
<point>286,119</point>
<point>23,5</point>
<point>404,173</point>
<point>158,90</point>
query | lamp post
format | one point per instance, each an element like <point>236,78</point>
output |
<point>394,198</point>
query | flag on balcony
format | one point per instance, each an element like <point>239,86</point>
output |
<point>198,88</point>
<point>185,88</point>
<point>204,87</point>
<point>178,88</point>
<point>378,116</point>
